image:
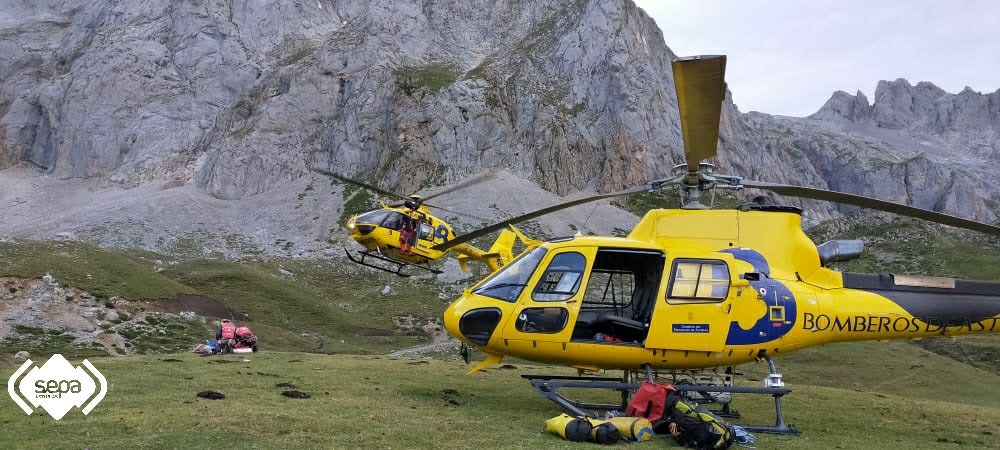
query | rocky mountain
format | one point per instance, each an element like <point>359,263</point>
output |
<point>942,147</point>
<point>916,145</point>
<point>164,118</point>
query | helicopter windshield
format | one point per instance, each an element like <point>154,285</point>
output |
<point>509,281</point>
<point>372,217</point>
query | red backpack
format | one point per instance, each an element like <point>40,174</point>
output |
<point>650,401</point>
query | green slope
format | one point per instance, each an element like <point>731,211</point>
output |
<point>293,305</point>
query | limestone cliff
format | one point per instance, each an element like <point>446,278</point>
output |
<point>237,99</point>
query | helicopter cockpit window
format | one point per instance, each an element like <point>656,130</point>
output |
<point>508,282</point>
<point>542,320</point>
<point>699,280</point>
<point>425,231</point>
<point>372,217</point>
<point>393,220</point>
<point>561,279</point>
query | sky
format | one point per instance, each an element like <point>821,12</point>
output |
<point>788,57</point>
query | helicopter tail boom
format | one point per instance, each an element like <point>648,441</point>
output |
<point>499,254</point>
<point>886,306</point>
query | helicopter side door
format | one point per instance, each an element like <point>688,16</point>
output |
<point>693,311</point>
<point>544,315</point>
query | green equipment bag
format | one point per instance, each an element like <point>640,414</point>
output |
<point>603,431</point>
<point>569,427</point>
<point>700,428</point>
<point>635,429</point>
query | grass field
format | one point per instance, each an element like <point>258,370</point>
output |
<point>323,326</point>
<point>379,402</point>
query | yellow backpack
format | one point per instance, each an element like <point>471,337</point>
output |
<point>603,431</point>
<point>569,427</point>
<point>636,429</point>
<point>580,429</point>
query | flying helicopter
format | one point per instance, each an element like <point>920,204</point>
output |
<point>697,288</point>
<point>404,234</point>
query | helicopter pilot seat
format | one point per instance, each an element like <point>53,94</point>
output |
<point>630,325</point>
<point>619,321</point>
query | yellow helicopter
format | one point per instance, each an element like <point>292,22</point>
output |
<point>694,288</point>
<point>404,234</point>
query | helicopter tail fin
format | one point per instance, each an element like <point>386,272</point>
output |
<point>500,253</point>
<point>503,247</point>
<point>528,242</point>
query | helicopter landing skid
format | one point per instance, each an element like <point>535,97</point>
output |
<point>548,385</point>
<point>398,264</point>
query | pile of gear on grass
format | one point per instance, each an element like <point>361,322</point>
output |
<point>656,408</point>
<point>228,339</point>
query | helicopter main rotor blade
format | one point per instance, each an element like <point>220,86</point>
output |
<point>358,183</point>
<point>541,212</point>
<point>470,182</point>
<point>457,212</point>
<point>873,203</point>
<point>701,88</point>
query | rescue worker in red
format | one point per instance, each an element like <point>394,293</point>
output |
<point>406,234</point>
<point>226,335</point>
<point>245,338</point>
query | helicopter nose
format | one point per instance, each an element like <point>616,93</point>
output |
<point>474,326</point>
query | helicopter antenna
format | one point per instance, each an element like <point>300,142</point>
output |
<point>587,220</point>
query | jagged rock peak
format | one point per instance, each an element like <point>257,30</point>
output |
<point>926,107</point>
<point>923,107</point>
<point>841,105</point>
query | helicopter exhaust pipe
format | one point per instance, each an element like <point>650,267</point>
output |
<point>840,250</point>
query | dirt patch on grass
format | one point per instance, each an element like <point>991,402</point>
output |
<point>295,394</point>
<point>199,304</point>
<point>365,331</point>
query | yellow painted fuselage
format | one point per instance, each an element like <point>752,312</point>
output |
<point>381,231</point>
<point>695,288</point>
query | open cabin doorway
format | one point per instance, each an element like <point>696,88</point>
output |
<point>620,296</point>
